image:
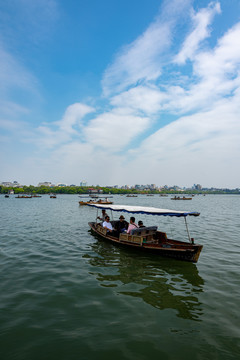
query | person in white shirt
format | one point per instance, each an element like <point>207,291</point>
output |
<point>107,224</point>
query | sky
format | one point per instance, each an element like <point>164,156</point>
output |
<point>120,92</point>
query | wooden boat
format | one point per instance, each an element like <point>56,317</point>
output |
<point>23,197</point>
<point>87,202</point>
<point>150,239</point>
<point>181,198</point>
<point>100,201</point>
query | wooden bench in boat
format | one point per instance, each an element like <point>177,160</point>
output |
<point>101,229</point>
<point>147,230</point>
<point>139,236</point>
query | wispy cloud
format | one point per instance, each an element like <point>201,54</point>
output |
<point>60,132</point>
<point>73,116</point>
<point>201,30</point>
<point>13,74</point>
<point>142,60</point>
<point>28,21</point>
<point>23,23</point>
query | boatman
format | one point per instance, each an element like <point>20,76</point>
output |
<point>104,214</point>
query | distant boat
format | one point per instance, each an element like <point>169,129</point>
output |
<point>36,196</point>
<point>181,198</point>
<point>6,196</point>
<point>132,196</point>
<point>52,196</point>
<point>23,197</point>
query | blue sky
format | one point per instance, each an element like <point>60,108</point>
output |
<point>120,92</point>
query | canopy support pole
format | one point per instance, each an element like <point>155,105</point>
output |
<point>189,238</point>
<point>97,216</point>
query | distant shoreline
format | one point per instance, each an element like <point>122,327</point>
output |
<point>78,190</point>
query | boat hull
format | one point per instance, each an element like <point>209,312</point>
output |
<point>91,202</point>
<point>159,244</point>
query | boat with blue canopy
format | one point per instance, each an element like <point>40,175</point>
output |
<point>149,238</point>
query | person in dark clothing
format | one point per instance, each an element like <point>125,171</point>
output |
<point>121,225</point>
<point>140,224</point>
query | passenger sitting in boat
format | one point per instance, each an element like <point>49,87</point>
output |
<point>107,225</point>
<point>132,225</point>
<point>104,214</point>
<point>121,225</point>
<point>140,224</point>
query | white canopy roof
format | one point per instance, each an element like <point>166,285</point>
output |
<point>144,210</point>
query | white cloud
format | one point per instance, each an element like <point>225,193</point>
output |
<point>114,131</point>
<point>137,61</point>
<point>202,146</point>
<point>201,31</point>
<point>141,99</point>
<point>73,116</point>
<point>224,60</point>
<point>142,60</point>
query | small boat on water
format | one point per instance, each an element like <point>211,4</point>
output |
<point>100,202</point>
<point>181,198</point>
<point>6,196</point>
<point>149,239</point>
<point>53,196</point>
<point>23,197</point>
<point>131,196</point>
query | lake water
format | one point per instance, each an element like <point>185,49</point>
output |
<point>66,295</point>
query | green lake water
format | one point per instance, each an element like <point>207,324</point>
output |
<point>64,294</point>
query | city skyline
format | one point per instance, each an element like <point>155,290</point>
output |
<point>152,187</point>
<point>120,92</point>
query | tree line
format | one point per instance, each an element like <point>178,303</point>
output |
<point>78,190</point>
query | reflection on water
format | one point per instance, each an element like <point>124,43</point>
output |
<point>161,283</point>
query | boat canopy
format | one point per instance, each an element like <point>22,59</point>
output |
<point>145,210</point>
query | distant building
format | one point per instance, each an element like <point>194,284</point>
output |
<point>7,184</point>
<point>197,187</point>
<point>10,184</point>
<point>92,191</point>
<point>83,183</point>
<point>45,183</point>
